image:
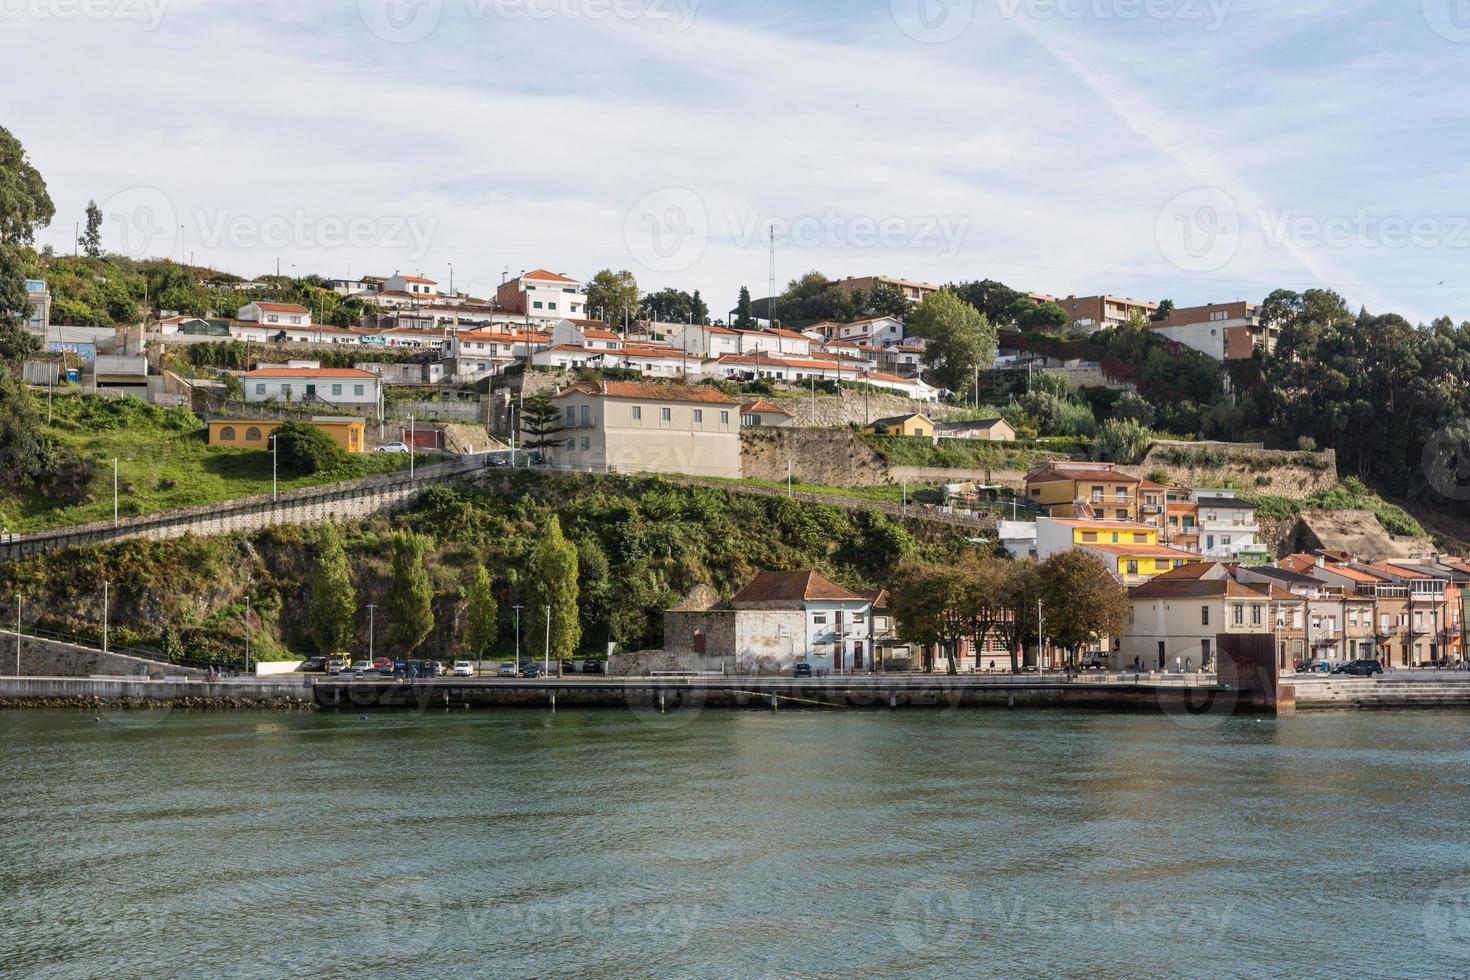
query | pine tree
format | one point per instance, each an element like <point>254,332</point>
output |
<point>552,581</point>
<point>91,240</point>
<point>480,628</point>
<point>333,601</point>
<point>743,318</point>
<point>541,423</point>
<point>410,604</point>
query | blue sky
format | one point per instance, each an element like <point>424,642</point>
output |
<point>1202,150</point>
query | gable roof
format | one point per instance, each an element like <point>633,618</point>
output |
<point>282,308</point>
<point>981,424</point>
<point>764,406</point>
<point>1054,472</point>
<point>1209,588</point>
<point>898,419</point>
<point>805,586</point>
<point>650,392</point>
<point>290,372</point>
<point>541,275</point>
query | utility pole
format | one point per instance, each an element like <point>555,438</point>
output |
<point>372,607</point>
<point>518,634</point>
<point>275,459</point>
<point>247,634</point>
<point>17,634</point>
<point>114,491</point>
<point>410,447</point>
<point>1040,643</point>
<point>106,586</point>
<point>548,640</point>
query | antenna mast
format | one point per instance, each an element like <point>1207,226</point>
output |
<point>771,303</point>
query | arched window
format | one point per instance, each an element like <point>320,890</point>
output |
<point>227,434</point>
<point>252,434</point>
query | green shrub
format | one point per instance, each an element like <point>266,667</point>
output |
<point>304,449</point>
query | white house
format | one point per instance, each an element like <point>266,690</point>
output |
<point>701,340</point>
<point>783,343</point>
<point>275,314</point>
<point>301,384</point>
<point>543,295</point>
<point>1228,528</point>
<point>417,287</point>
<point>836,627</point>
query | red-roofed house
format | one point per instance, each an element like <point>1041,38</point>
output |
<point>1177,619</point>
<point>541,295</point>
<point>417,288</point>
<point>275,314</point>
<point>299,384</point>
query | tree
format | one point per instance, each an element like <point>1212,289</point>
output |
<point>1166,307</point>
<point>1030,315</point>
<point>304,449</point>
<point>1131,405</point>
<point>991,298</point>
<point>333,601</point>
<point>1121,441</point>
<point>743,318</point>
<point>410,604</point>
<point>24,203</point>
<point>669,306</point>
<point>986,599</point>
<point>552,581</point>
<point>613,295</point>
<point>698,309</point>
<point>91,240</point>
<point>1083,601</point>
<point>929,602</point>
<point>959,338</point>
<point>481,628</point>
<point>541,423</point>
<point>1023,589</point>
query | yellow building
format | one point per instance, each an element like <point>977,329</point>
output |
<point>1131,551</point>
<point>1084,490</point>
<point>348,433</point>
<point>905,425</point>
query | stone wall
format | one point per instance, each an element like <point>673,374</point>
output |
<point>848,408</point>
<point>825,457</point>
<point>51,658</point>
<point>1278,473</point>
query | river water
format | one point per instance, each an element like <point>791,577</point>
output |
<point>619,844</point>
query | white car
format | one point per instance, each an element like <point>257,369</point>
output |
<point>508,670</point>
<point>464,668</point>
<point>392,447</point>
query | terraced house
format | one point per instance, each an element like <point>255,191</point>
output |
<point>1178,618</point>
<point>631,427</point>
<point>1091,491</point>
<point>1130,550</point>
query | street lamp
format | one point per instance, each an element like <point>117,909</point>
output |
<point>548,640</point>
<point>17,634</point>
<point>247,634</point>
<point>114,491</point>
<point>372,607</point>
<point>275,458</point>
<point>410,447</point>
<point>106,586</point>
<point>518,634</point>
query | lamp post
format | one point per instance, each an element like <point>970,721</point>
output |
<point>410,447</point>
<point>518,635</point>
<point>106,586</point>
<point>548,640</point>
<point>114,491</point>
<point>17,634</point>
<point>247,634</point>
<point>1040,643</point>
<point>275,458</point>
<point>372,608</point>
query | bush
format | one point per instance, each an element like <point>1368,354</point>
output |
<point>1306,444</point>
<point>304,449</point>
<point>1122,442</point>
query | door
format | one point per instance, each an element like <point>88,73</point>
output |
<point>311,391</point>
<point>857,655</point>
<point>1162,654</point>
<point>837,654</point>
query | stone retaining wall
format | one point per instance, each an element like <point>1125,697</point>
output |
<point>40,657</point>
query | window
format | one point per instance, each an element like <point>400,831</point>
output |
<point>699,416</point>
<point>666,414</point>
<point>1133,568</point>
<point>1239,615</point>
<point>336,391</point>
<point>571,417</point>
<point>1218,315</point>
<point>1089,536</point>
<point>227,434</point>
<point>1140,539</point>
<point>1204,615</point>
<point>252,434</point>
<point>725,419</point>
<point>1255,615</point>
<point>586,444</point>
<point>549,306</point>
<point>537,304</point>
<point>571,445</point>
<point>260,389</point>
<point>286,390</point>
<point>358,390</point>
<point>637,413</point>
<point>819,619</point>
<point>586,416</point>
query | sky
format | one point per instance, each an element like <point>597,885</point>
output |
<point>1199,150</point>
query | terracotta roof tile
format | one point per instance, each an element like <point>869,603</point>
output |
<point>650,391</point>
<point>794,587</point>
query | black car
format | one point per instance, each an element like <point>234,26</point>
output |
<point>568,667</point>
<point>593,667</point>
<point>314,665</point>
<point>802,670</point>
<point>1359,668</point>
<point>532,669</point>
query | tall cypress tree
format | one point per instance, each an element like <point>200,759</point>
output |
<point>410,604</point>
<point>333,601</point>
<point>552,581</point>
<point>481,628</point>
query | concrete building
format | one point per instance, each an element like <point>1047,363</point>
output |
<point>1130,551</point>
<point>1093,313</point>
<point>1224,331</point>
<point>275,314</point>
<point>418,288</point>
<point>764,414</point>
<point>308,384</point>
<point>621,426</point>
<point>40,299</point>
<point>917,426</point>
<point>1177,619</point>
<point>777,621</point>
<point>349,434</point>
<point>1095,491</point>
<point>983,430</point>
<point>913,291</point>
<point>541,295</point>
<point>1228,528</point>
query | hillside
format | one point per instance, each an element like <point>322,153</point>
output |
<point>643,544</point>
<point>164,463</point>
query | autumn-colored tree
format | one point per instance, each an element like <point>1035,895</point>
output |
<point>928,601</point>
<point>986,599</point>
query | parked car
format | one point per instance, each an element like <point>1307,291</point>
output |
<point>384,664</point>
<point>1314,667</point>
<point>336,665</point>
<point>431,668</point>
<point>568,666</point>
<point>313,665</point>
<point>464,668</point>
<point>1359,668</point>
<point>1095,663</point>
<point>362,665</point>
<point>594,667</point>
<point>508,670</point>
<point>802,670</point>
<point>392,447</point>
<point>532,669</point>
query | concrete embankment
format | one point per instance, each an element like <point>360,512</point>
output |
<point>134,692</point>
<point>1430,690</point>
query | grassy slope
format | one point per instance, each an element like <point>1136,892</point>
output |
<point>163,463</point>
<point>964,453</point>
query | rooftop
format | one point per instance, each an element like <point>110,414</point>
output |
<point>794,587</point>
<point>650,392</point>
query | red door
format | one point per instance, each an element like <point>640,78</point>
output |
<point>857,655</point>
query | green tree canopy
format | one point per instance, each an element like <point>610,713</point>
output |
<point>552,580</point>
<point>613,295</point>
<point>958,338</point>
<point>410,603</point>
<point>481,625</point>
<point>541,426</point>
<point>91,240</point>
<point>333,600</point>
<point>1083,601</point>
<point>24,203</point>
<point>304,449</point>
